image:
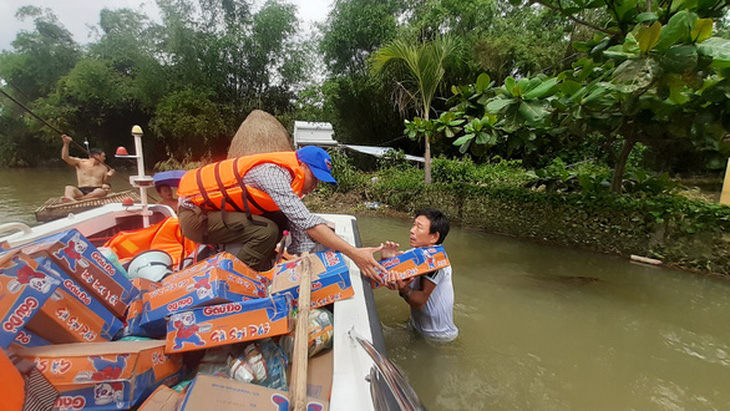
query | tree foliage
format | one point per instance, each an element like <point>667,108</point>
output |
<point>647,77</point>
<point>227,57</point>
<point>422,68</point>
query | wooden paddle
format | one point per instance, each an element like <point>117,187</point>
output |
<point>298,388</point>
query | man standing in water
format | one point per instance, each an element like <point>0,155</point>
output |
<point>91,173</point>
<point>431,295</point>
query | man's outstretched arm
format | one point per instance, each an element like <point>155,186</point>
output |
<point>64,151</point>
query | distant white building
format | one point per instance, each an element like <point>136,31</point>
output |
<point>321,134</point>
<point>313,134</point>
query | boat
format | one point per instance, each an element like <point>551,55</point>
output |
<point>58,207</point>
<point>352,365</point>
<point>362,377</point>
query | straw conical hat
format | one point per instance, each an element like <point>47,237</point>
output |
<point>259,133</point>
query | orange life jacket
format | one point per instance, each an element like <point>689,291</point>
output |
<point>165,236</point>
<point>220,185</point>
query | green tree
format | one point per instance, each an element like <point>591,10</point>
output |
<point>31,70</point>
<point>648,77</point>
<point>424,66</point>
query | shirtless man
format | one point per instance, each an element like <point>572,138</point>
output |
<point>92,174</point>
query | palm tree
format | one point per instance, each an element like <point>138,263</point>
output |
<point>424,65</point>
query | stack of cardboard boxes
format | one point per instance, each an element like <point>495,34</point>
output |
<point>64,306</point>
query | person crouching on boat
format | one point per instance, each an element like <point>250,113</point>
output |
<point>92,174</point>
<point>251,199</point>
<point>430,295</point>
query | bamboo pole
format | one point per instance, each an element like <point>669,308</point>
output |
<point>298,389</point>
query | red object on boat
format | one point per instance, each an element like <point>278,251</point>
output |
<point>121,151</point>
<point>127,202</point>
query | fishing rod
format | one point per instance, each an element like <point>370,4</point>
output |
<point>49,125</point>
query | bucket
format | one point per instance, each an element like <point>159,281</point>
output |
<point>152,265</point>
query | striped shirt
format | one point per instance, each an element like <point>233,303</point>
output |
<point>276,182</point>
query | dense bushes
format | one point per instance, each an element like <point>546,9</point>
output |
<point>503,197</point>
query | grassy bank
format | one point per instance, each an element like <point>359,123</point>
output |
<point>665,224</point>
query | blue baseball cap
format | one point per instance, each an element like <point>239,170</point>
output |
<point>318,161</point>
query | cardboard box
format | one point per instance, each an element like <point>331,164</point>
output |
<point>163,398</point>
<point>89,310</point>
<point>194,289</point>
<point>230,323</point>
<point>109,375</point>
<point>208,393</point>
<point>63,319</point>
<point>24,288</point>
<point>224,261</point>
<point>320,370</point>
<point>414,262</point>
<point>330,279</point>
<point>143,284</point>
<point>87,266</point>
<point>27,338</point>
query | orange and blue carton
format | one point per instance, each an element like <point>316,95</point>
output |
<point>29,339</point>
<point>223,324</point>
<point>224,261</point>
<point>105,376</point>
<point>329,275</point>
<point>25,289</point>
<point>414,262</point>
<point>192,289</point>
<point>81,260</point>
<point>75,315</point>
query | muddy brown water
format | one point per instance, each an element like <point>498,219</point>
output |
<point>541,327</point>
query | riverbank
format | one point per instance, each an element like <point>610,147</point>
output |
<point>681,228</point>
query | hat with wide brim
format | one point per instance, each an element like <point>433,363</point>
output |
<point>259,133</point>
<point>168,178</point>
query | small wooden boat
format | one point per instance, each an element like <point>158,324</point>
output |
<point>56,207</point>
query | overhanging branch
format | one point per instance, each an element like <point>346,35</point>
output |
<point>577,20</point>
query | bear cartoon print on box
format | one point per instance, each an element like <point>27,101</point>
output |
<point>87,266</point>
<point>330,278</point>
<point>416,261</point>
<point>24,287</point>
<point>105,376</point>
<point>215,325</point>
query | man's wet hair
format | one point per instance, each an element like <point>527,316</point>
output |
<point>95,151</point>
<point>439,223</point>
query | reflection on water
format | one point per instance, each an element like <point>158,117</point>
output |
<point>554,328</point>
<point>25,189</point>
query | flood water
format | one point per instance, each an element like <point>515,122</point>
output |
<point>541,327</point>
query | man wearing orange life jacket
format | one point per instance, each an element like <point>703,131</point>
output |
<point>252,199</point>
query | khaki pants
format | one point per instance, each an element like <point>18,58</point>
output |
<point>259,241</point>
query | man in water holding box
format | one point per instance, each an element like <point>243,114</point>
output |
<point>431,295</point>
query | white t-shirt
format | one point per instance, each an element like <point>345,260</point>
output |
<point>436,318</point>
